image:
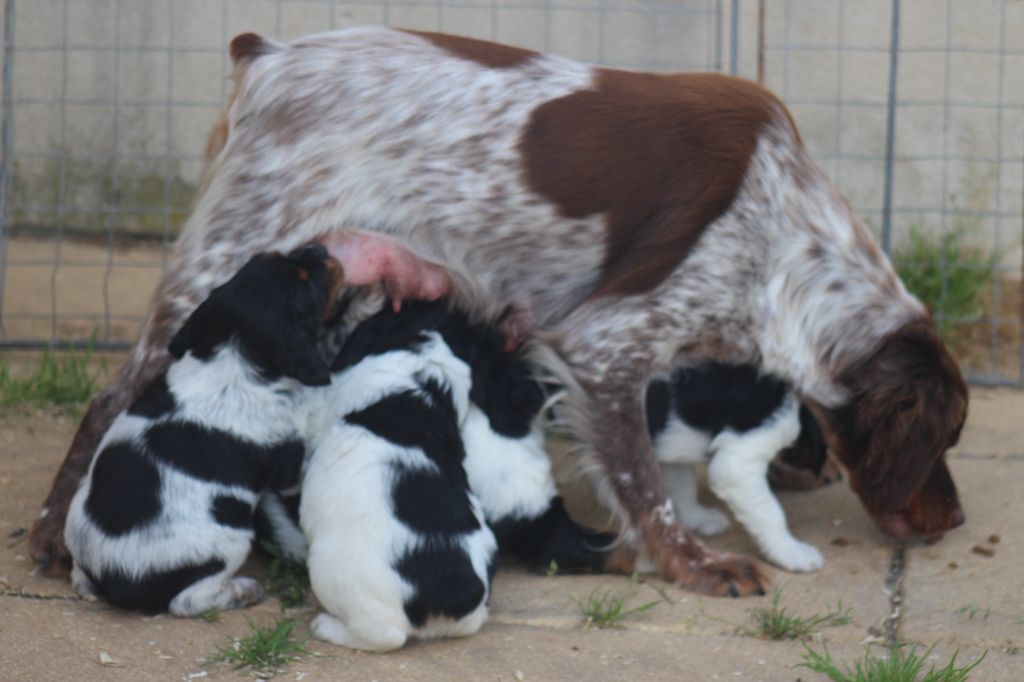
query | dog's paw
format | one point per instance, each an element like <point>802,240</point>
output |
<point>794,555</point>
<point>46,545</point>
<point>718,575</point>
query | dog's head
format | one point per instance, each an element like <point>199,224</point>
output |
<point>272,309</point>
<point>907,406</point>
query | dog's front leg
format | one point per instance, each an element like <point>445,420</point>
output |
<point>606,353</point>
<point>616,433</point>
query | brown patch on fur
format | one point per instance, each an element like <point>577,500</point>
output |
<point>663,155</point>
<point>492,55</point>
<point>907,406</point>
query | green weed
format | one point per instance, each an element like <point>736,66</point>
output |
<point>289,579</point>
<point>902,664</point>
<point>265,650</point>
<point>63,380</point>
<point>776,622</point>
<point>949,277</point>
<point>607,609</point>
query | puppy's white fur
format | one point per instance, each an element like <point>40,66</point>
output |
<point>184,531</point>
<point>346,512</point>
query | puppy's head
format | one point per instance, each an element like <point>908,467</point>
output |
<point>272,309</point>
<point>805,464</point>
<point>502,385</point>
<point>907,406</point>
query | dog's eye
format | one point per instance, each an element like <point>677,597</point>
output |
<point>303,274</point>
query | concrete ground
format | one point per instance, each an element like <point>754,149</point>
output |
<point>962,593</point>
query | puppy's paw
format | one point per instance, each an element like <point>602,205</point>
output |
<point>372,637</point>
<point>794,555</point>
<point>245,592</point>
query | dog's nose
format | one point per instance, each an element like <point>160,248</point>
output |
<point>957,518</point>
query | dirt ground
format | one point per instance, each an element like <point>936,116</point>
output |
<point>965,593</point>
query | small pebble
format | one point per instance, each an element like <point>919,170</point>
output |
<point>954,565</point>
<point>983,550</point>
<point>840,542</point>
<point>993,539</point>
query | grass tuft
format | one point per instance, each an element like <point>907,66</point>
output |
<point>265,650</point>
<point>607,609</point>
<point>948,276</point>
<point>289,579</point>
<point>211,616</point>
<point>63,380</point>
<point>777,623</point>
<point>902,664</point>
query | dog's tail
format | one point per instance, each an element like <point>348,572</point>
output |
<point>248,46</point>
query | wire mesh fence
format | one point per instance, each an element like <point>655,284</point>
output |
<point>915,107</point>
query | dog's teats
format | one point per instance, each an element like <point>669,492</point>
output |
<point>370,258</point>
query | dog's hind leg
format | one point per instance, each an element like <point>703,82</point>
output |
<point>370,637</point>
<point>216,593</point>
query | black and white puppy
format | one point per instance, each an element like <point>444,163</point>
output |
<point>435,441</point>
<point>507,464</point>
<point>737,420</point>
<point>164,517</point>
<point>398,544</point>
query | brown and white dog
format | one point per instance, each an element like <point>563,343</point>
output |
<point>633,222</point>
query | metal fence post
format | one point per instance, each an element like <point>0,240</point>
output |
<point>734,38</point>
<point>6,138</point>
<point>890,128</point>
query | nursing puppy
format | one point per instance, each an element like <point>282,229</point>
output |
<point>507,465</point>
<point>738,421</point>
<point>163,518</point>
<point>398,544</point>
<point>430,438</point>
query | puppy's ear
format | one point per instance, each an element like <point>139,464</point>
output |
<point>504,389</point>
<point>301,359</point>
<point>181,342</point>
<point>204,329</point>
